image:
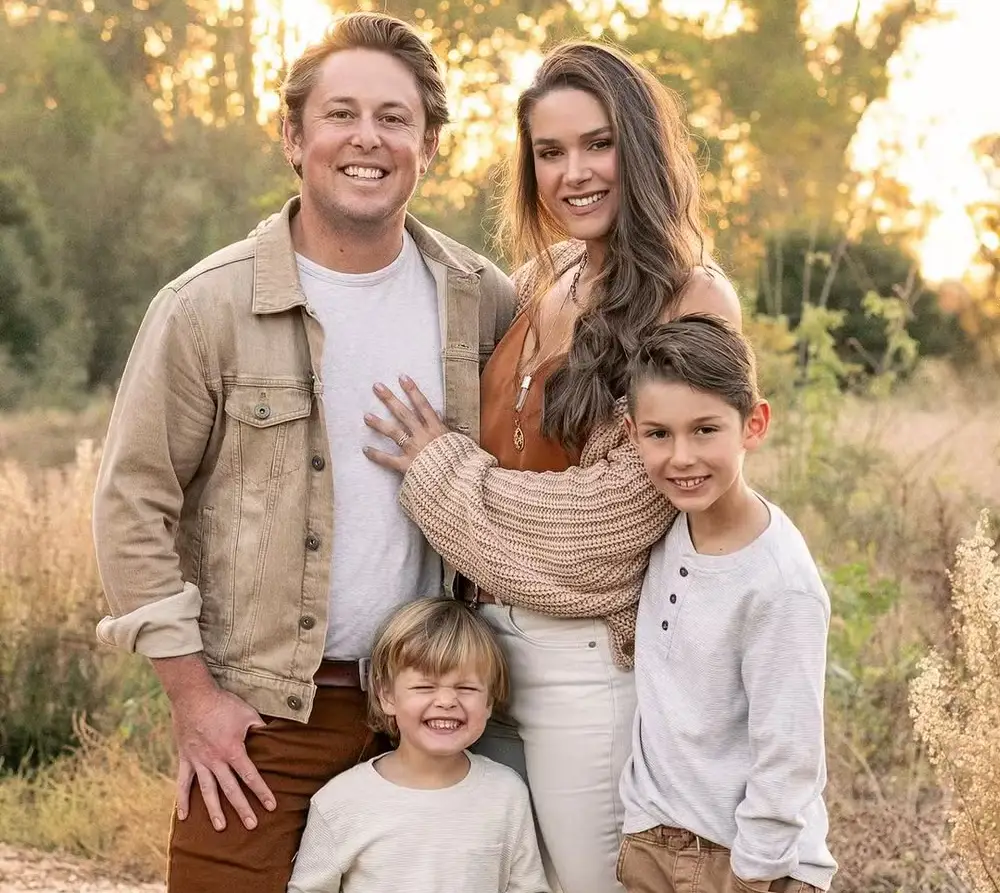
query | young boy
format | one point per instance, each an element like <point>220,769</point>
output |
<point>723,792</point>
<point>428,817</point>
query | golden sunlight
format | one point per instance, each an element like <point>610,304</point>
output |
<point>921,134</point>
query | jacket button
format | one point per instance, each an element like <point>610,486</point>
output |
<point>307,622</point>
<point>312,542</point>
<point>318,462</point>
<point>673,598</point>
<point>262,411</point>
<point>294,703</point>
<point>684,571</point>
<point>665,625</point>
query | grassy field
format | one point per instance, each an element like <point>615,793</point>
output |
<point>883,490</point>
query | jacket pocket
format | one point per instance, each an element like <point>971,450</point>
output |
<point>269,433</point>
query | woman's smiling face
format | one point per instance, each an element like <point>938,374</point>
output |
<point>576,162</point>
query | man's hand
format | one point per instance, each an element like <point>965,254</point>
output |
<point>412,428</point>
<point>210,727</point>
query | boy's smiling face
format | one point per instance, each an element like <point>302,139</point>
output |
<point>692,442</point>
<point>439,716</point>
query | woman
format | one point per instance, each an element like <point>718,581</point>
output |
<point>604,195</point>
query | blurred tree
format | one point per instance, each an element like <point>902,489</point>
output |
<point>779,105</point>
<point>873,281</point>
<point>979,305</point>
<point>130,203</point>
<point>41,315</point>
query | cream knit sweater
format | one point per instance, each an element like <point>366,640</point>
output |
<point>567,544</point>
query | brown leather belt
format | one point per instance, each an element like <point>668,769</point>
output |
<point>342,674</point>
<point>471,594</point>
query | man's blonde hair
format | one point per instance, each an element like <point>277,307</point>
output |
<point>434,636</point>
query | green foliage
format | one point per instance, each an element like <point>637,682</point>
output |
<point>886,311</point>
<point>867,683</point>
<point>50,678</point>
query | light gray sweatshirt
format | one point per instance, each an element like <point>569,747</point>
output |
<point>728,737</point>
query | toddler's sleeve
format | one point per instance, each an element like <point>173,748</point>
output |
<point>317,868</point>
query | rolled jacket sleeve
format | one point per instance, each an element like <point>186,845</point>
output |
<point>160,425</point>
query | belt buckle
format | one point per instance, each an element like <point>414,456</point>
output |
<point>364,664</point>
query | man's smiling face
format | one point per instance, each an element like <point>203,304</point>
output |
<point>363,144</point>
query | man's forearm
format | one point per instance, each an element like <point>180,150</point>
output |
<point>184,677</point>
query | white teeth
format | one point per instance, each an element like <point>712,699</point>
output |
<point>444,724</point>
<point>364,173</point>
<point>688,483</point>
<point>586,200</point>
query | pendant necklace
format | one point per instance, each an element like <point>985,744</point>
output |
<point>522,394</point>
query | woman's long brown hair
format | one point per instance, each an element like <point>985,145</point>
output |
<point>654,244</point>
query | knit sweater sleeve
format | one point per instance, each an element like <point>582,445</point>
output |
<point>572,543</point>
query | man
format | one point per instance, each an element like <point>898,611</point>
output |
<point>245,543</point>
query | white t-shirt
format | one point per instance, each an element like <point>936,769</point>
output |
<point>376,326</point>
<point>365,834</point>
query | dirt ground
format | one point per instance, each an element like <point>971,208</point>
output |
<point>22,871</point>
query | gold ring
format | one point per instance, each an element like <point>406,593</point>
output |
<point>405,436</point>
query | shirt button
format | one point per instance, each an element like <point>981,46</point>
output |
<point>673,599</point>
<point>294,703</point>
<point>307,622</point>
<point>262,411</point>
<point>684,571</point>
<point>312,542</point>
<point>665,625</point>
<point>318,462</point>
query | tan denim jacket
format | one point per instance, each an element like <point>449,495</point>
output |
<point>213,516</point>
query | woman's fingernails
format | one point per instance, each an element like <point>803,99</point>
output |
<point>380,388</point>
<point>405,380</point>
<point>218,824</point>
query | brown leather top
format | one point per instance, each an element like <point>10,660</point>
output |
<point>499,389</point>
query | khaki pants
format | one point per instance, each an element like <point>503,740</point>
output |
<point>295,760</point>
<point>671,860</point>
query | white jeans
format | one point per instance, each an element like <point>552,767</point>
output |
<point>573,709</point>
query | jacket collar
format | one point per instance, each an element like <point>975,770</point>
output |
<point>276,285</point>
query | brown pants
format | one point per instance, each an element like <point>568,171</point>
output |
<point>671,860</point>
<point>295,760</point>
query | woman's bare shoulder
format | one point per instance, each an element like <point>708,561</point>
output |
<point>709,291</point>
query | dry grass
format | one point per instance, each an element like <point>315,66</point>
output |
<point>108,797</point>
<point>47,438</point>
<point>101,802</point>
<point>48,572</point>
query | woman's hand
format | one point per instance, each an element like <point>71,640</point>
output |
<point>411,428</point>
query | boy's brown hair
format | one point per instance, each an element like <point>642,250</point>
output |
<point>703,351</point>
<point>433,636</point>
